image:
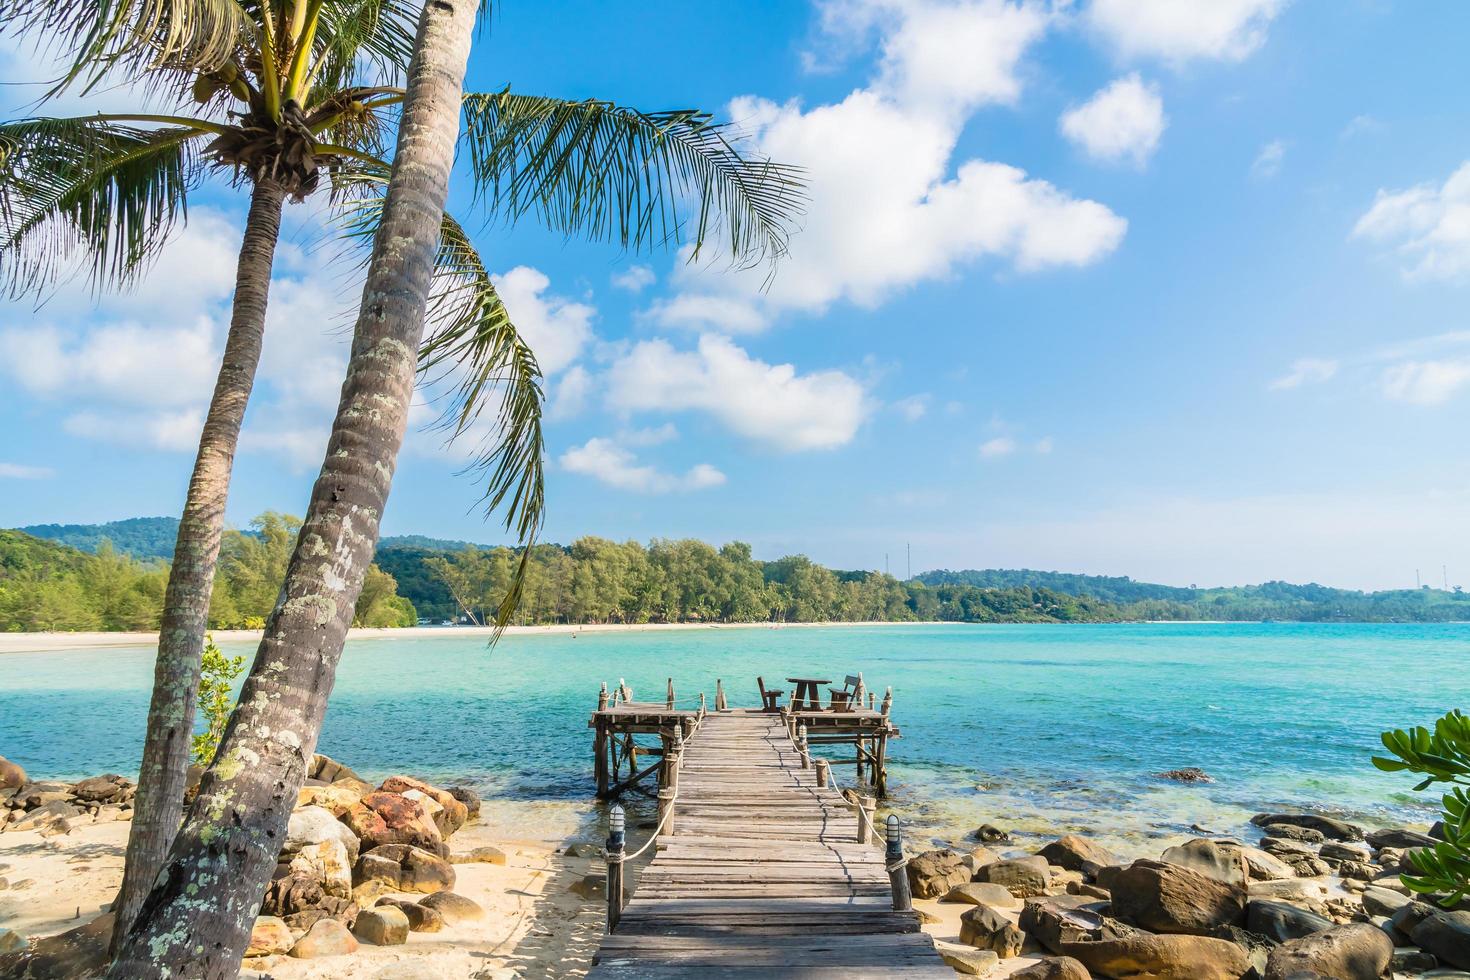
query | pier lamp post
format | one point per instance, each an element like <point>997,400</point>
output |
<point>898,876</point>
<point>616,841</point>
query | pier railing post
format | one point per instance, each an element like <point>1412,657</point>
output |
<point>720,704</point>
<point>824,773</point>
<point>866,832</point>
<point>898,876</point>
<point>616,840</point>
<point>801,747</point>
<point>669,702</point>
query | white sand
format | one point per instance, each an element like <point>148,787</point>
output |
<point>48,642</point>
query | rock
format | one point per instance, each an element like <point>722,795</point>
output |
<point>377,867</point>
<point>468,797</point>
<point>456,909</point>
<point>1288,847</point>
<point>966,960</point>
<point>12,776</point>
<point>1447,936</point>
<point>982,893</point>
<point>1290,831</point>
<point>1382,901</point>
<point>582,849</point>
<point>1088,891</point>
<point>1327,826</point>
<point>985,928</point>
<point>325,937</point>
<point>589,887</point>
<point>1143,956</point>
<point>418,869</point>
<point>933,873</point>
<point>329,770</point>
<point>1211,859</point>
<point>1169,898</point>
<point>309,825</point>
<point>1357,870</point>
<point>1189,774</point>
<point>269,936</point>
<point>1407,918</point>
<point>336,798</point>
<point>1058,927</point>
<point>54,828</point>
<point>291,894</point>
<point>1054,968</point>
<point>1281,922</point>
<point>10,940</point>
<point>926,918</point>
<point>1077,854</point>
<point>1338,851</point>
<point>43,814</point>
<point>392,818</point>
<point>1260,865</point>
<point>1022,877</point>
<point>990,834</point>
<point>979,857</point>
<point>453,813</point>
<point>1398,837</point>
<point>1410,960</point>
<point>1357,951</point>
<point>421,918</point>
<point>385,925</point>
<point>111,813</point>
<point>328,863</point>
<point>479,855</point>
<point>1298,891</point>
<point>101,789</point>
<point>79,952</point>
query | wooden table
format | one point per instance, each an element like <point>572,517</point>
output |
<point>806,693</point>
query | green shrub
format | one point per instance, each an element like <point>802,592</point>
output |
<point>1441,756</point>
<point>215,702</point>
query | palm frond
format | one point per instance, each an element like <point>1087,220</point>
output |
<point>473,347</point>
<point>639,179</point>
<point>98,36</point>
<point>101,193</point>
<point>364,41</point>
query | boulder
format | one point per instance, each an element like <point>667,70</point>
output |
<point>468,797</point>
<point>1339,851</point>
<point>1076,853</point>
<point>1054,968</point>
<point>933,873</point>
<point>329,770</point>
<point>589,887</point>
<point>979,857</point>
<point>418,869</point>
<point>392,818</point>
<point>1357,951</point>
<point>328,863</point>
<point>337,798</point>
<point>10,940</point>
<point>1326,826</point>
<point>1399,837</point>
<point>985,928</point>
<point>1059,927</point>
<point>1022,877</point>
<point>101,789</point>
<point>966,960</point>
<point>44,814</point>
<point>455,909</point>
<point>990,834</point>
<point>982,893</point>
<point>1143,956</point>
<point>377,867</point>
<point>454,813</point>
<point>309,825</point>
<point>291,894</point>
<point>1407,918</point>
<point>1290,831</point>
<point>325,937</point>
<point>384,925</point>
<point>421,918</point>
<point>1288,848</point>
<point>1212,859</point>
<point>1297,891</point>
<point>54,828</point>
<point>12,776</point>
<point>480,855</point>
<point>1383,901</point>
<point>1169,898</point>
<point>1447,936</point>
<point>1189,774</point>
<point>269,936</point>
<point>1281,922</point>
<point>1260,865</point>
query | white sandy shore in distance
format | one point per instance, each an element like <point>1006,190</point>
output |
<point>48,642</point>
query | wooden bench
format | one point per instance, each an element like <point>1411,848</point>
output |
<point>770,700</point>
<point>842,697</point>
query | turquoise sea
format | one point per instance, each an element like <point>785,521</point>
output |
<point>1039,729</point>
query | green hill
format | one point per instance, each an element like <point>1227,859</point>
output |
<point>140,537</point>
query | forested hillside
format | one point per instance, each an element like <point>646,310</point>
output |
<point>139,537</point>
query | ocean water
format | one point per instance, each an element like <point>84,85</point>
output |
<point>1039,729</point>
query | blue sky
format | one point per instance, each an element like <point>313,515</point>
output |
<point>1166,288</point>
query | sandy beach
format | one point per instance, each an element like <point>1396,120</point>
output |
<point>48,642</point>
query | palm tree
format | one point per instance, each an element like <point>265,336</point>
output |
<point>291,97</point>
<point>560,158</point>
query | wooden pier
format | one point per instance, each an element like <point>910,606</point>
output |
<point>762,866</point>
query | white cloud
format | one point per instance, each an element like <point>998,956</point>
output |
<point>608,462</point>
<point>556,328</point>
<point>125,362</point>
<point>912,408</point>
<point>1426,382</point>
<point>889,205</point>
<point>1360,126</point>
<point>651,436</point>
<point>1177,31</point>
<point>634,279</point>
<point>726,314</point>
<point>1428,226</point>
<point>570,394</point>
<point>999,446</point>
<point>19,471</point>
<point>1267,163</point>
<point>1121,122</point>
<point>768,403</point>
<point>168,430</point>
<point>1044,445</point>
<point>1306,370</point>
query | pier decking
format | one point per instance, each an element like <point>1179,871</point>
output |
<point>763,868</point>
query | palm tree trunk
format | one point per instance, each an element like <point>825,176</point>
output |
<point>197,920</point>
<point>159,806</point>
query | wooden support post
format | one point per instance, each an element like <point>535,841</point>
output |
<point>865,806</point>
<point>858,696</point>
<point>615,846</point>
<point>687,726</point>
<point>824,774</point>
<point>898,875</point>
<point>872,701</point>
<point>669,702</point>
<point>801,746</point>
<point>880,766</point>
<point>887,702</point>
<point>701,705</point>
<point>858,777</point>
<point>720,704</point>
